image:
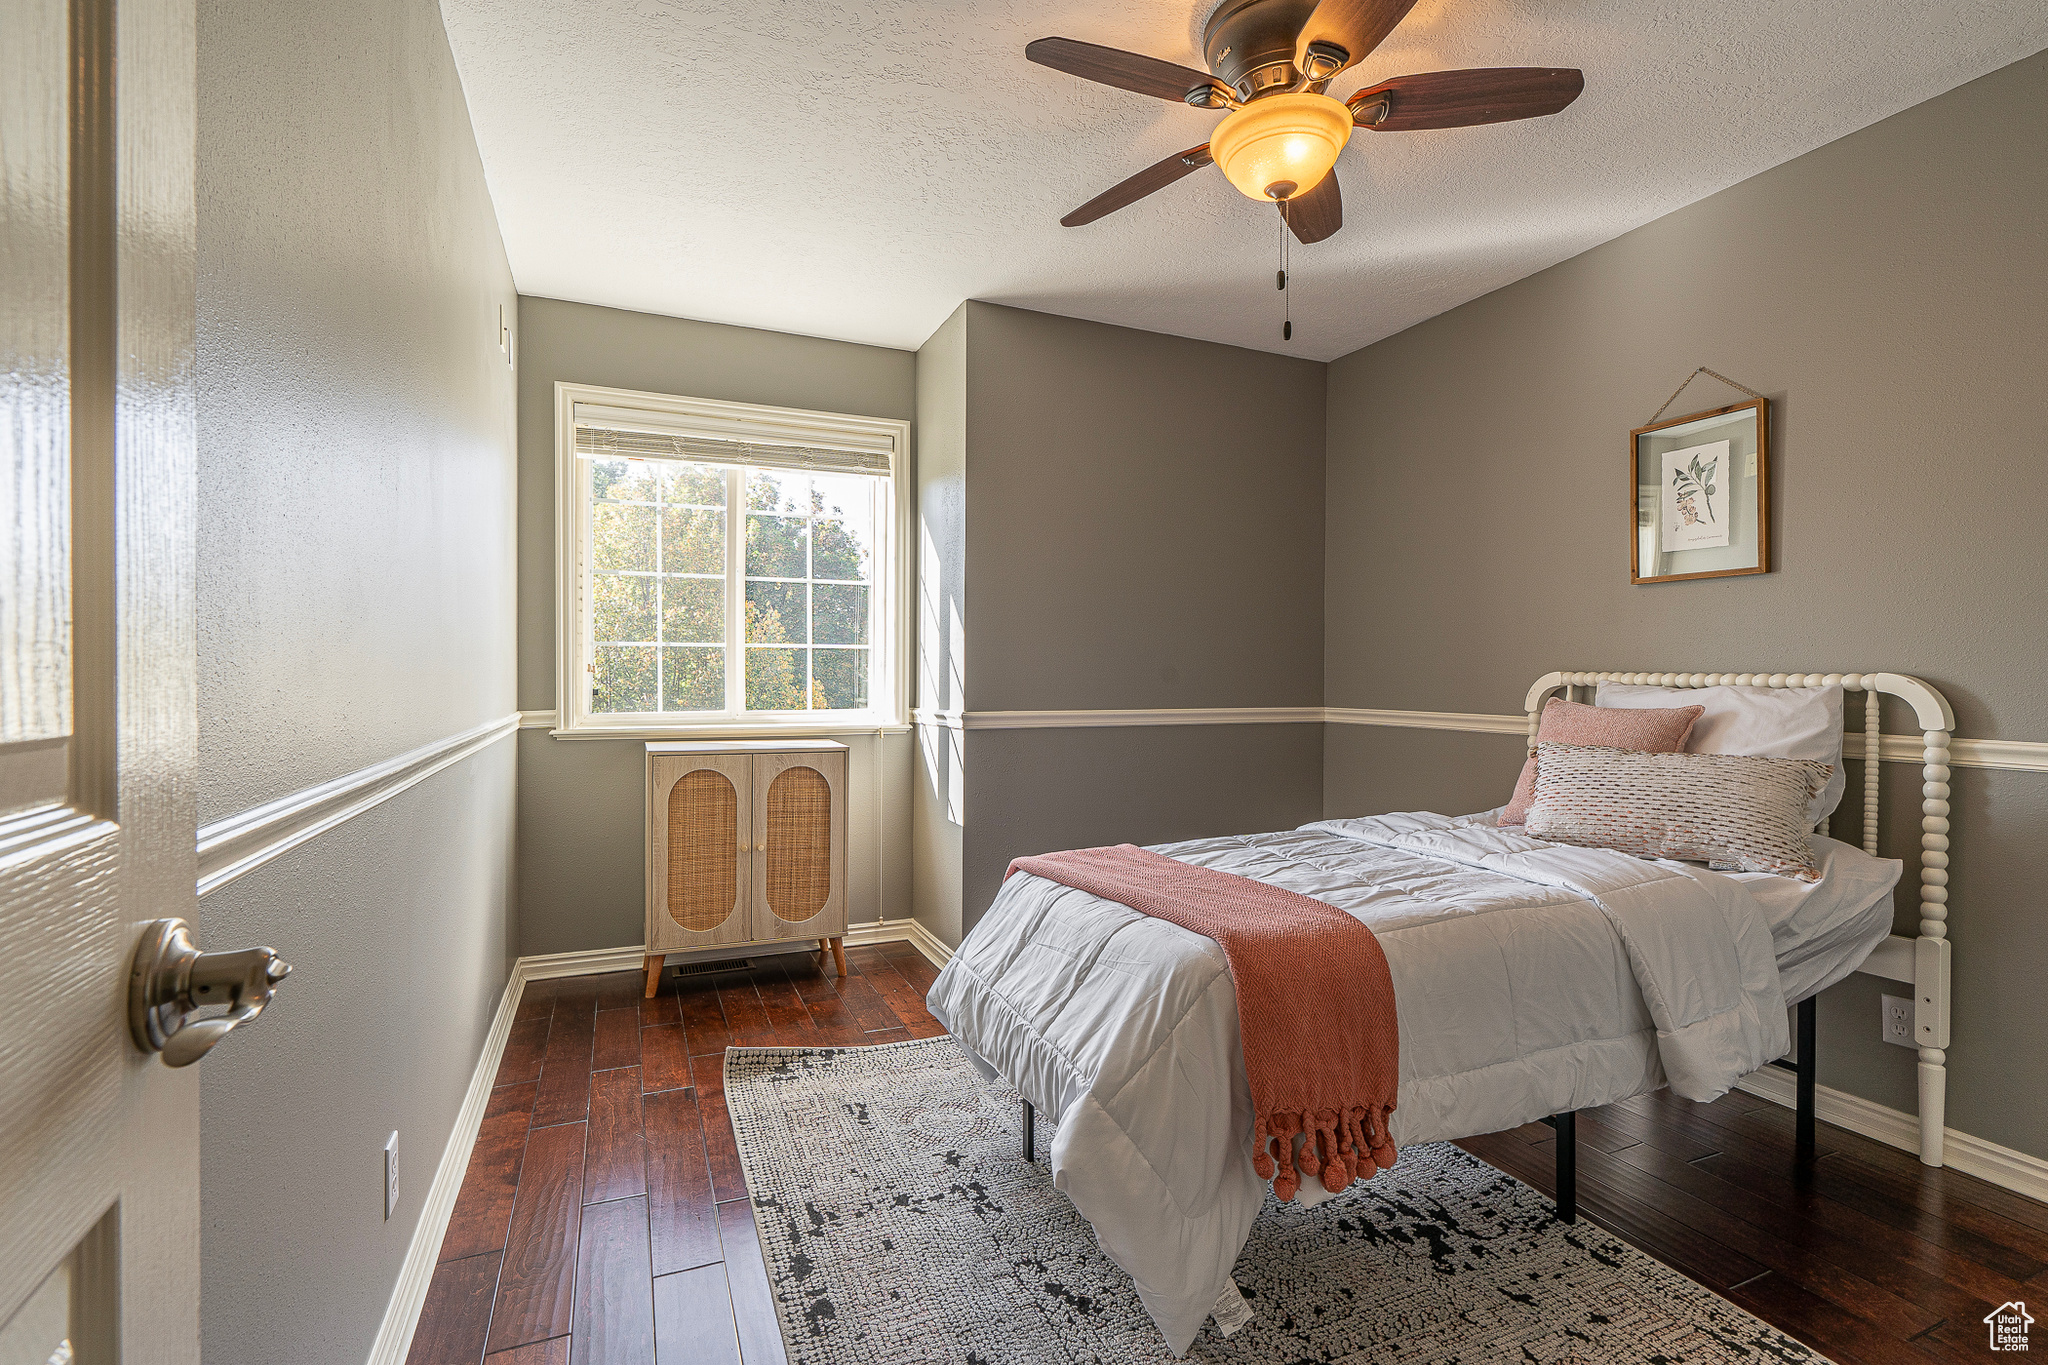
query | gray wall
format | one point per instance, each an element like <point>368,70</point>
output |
<point>1142,531</point>
<point>1888,293</point>
<point>938,792</point>
<point>355,566</point>
<point>582,842</point>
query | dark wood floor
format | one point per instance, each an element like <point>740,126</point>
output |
<point>1867,1255</point>
<point>602,1217</point>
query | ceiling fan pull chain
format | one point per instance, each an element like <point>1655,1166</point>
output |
<point>1286,296</point>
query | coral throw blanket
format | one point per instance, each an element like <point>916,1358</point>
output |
<point>1315,1004</point>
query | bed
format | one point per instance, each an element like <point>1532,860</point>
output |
<point>1530,979</point>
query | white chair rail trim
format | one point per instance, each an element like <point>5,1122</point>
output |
<point>402,1312</point>
<point>1062,720</point>
<point>2016,755</point>
<point>1428,720</point>
<point>2012,755</point>
<point>1091,720</point>
<point>241,843</point>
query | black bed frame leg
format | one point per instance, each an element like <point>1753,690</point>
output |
<point>1567,1127</point>
<point>1802,1123</point>
<point>1030,1133</point>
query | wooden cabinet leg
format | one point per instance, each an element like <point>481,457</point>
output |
<point>839,956</point>
<point>652,966</point>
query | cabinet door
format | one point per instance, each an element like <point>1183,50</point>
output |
<point>699,842</point>
<point>800,845</point>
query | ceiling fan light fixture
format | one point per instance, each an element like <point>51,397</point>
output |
<point>1281,146</point>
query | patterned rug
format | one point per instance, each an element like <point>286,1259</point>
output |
<point>901,1224</point>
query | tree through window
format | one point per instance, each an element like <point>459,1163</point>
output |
<point>682,621</point>
<point>809,567</point>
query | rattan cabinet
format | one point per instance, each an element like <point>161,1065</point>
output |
<point>746,845</point>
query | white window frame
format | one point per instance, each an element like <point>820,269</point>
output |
<point>890,625</point>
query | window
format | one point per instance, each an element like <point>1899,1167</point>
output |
<point>726,565</point>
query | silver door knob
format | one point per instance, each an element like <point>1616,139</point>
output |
<point>170,979</point>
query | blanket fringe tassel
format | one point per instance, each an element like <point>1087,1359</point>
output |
<point>1339,1145</point>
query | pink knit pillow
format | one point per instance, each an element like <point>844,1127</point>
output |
<point>1648,731</point>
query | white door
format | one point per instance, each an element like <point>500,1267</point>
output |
<point>99,1141</point>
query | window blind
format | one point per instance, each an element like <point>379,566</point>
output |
<point>649,445</point>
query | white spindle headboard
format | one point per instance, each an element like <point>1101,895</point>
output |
<point>1923,961</point>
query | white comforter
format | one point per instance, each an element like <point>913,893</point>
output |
<point>1529,979</point>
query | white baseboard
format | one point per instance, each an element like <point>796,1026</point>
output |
<point>409,1295</point>
<point>402,1313</point>
<point>589,962</point>
<point>857,935</point>
<point>2001,1166</point>
<point>901,931</point>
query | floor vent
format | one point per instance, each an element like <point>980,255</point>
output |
<point>735,964</point>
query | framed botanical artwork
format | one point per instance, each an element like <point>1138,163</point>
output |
<point>1699,495</point>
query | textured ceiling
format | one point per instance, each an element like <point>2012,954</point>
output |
<point>856,169</point>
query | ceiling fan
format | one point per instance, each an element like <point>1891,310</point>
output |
<point>1269,62</point>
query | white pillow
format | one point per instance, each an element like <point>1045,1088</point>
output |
<point>1768,722</point>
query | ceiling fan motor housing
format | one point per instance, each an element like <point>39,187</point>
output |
<point>1250,43</point>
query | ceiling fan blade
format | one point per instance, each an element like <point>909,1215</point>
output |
<point>1128,192</point>
<point>1318,214</point>
<point>1357,26</point>
<point>1462,99</point>
<point>1124,70</point>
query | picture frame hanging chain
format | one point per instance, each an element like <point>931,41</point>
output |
<point>1695,375</point>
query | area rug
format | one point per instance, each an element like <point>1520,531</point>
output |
<point>900,1223</point>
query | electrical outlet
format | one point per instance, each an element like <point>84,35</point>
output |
<point>1898,1021</point>
<point>390,1176</point>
